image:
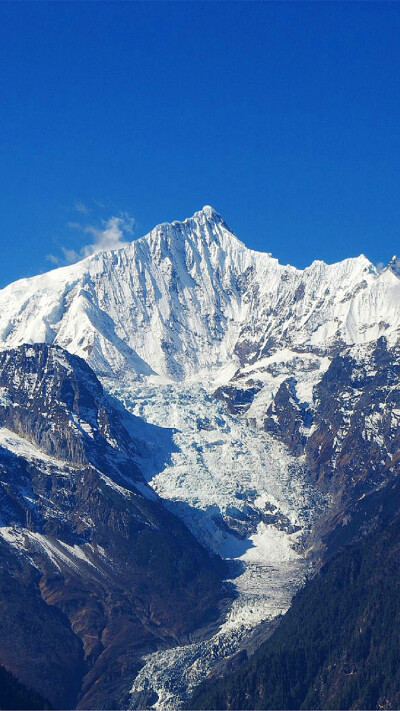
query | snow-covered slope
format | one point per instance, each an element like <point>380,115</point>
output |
<point>189,297</point>
<point>224,350</point>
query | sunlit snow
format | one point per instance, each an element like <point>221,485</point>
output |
<point>215,466</point>
<point>166,320</point>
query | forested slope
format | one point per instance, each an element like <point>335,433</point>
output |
<point>338,647</point>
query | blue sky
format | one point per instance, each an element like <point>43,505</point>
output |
<point>283,116</point>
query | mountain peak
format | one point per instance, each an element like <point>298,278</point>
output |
<point>206,225</point>
<point>208,214</point>
<point>189,297</point>
<point>207,211</point>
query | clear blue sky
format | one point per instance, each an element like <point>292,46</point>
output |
<point>283,116</point>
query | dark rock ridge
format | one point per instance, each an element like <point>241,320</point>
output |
<point>56,402</point>
<point>354,448</point>
<point>237,399</point>
<point>94,572</point>
<point>288,418</point>
<point>355,442</point>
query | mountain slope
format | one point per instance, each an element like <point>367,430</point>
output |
<point>94,571</point>
<point>14,695</point>
<point>338,646</point>
<point>266,404</point>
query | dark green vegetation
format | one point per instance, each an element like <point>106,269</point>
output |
<point>338,647</point>
<point>14,695</point>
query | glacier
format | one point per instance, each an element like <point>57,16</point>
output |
<point>223,470</point>
<point>167,322</point>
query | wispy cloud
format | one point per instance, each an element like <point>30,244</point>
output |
<point>82,208</point>
<point>53,259</point>
<point>111,235</point>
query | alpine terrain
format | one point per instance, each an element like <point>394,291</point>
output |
<point>189,431</point>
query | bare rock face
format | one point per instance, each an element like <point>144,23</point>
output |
<point>287,418</point>
<point>94,572</point>
<point>56,402</point>
<point>355,443</point>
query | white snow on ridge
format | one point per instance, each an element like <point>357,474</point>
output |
<point>188,296</point>
<point>59,553</point>
<point>28,450</point>
<point>166,320</point>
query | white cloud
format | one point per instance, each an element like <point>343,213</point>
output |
<point>110,236</point>
<point>53,259</point>
<point>70,255</point>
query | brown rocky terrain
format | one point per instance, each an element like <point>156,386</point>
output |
<point>94,571</point>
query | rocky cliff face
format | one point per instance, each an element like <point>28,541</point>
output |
<point>94,570</point>
<point>355,438</point>
<point>347,430</point>
<point>57,403</point>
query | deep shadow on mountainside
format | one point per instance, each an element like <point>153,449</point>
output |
<point>338,645</point>
<point>14,695</point>
<point>94,571</point>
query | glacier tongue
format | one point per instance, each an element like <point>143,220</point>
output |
<point>245,497</point>
<point>168,678</point>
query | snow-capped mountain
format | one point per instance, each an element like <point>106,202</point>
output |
<point>189,297</point>
<point>261,394</point>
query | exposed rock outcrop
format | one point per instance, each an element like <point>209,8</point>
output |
<point>94,571</point>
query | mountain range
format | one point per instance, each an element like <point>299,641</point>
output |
<point>190,297</point>
<point>189,431</point>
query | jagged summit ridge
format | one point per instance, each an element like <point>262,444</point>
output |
<point>190,298</point>
<point>394,265</point>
